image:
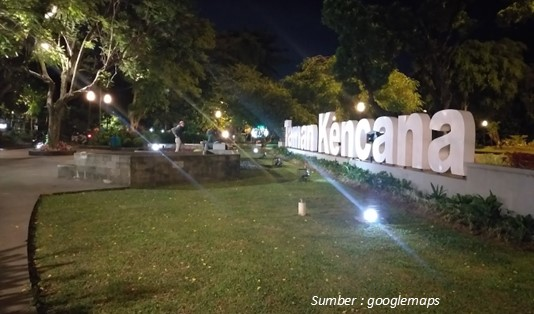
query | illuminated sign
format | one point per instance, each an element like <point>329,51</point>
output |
<point>403,141</point>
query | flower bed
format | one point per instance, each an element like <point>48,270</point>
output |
<point>62,149</point>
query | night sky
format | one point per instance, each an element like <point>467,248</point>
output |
<point>296,23</point>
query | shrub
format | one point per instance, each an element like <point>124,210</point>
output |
<point>492,159</point>
<point>521,160</point>
<point>516,140</point>
<point>479,214</point>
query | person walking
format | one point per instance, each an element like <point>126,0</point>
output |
<point>178,132</point>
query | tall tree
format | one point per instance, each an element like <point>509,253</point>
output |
<point>432,35</point>
<point>257,99</point>
<point>366,43</point>
<point>488,73</point>
<point>78,44</point>
<point>399,94</point>
<point>315,87</point>
<point>518,11</point>
<point>177,44</point>
<point>254,49</point>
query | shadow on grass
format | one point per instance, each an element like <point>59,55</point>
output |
<point>116,293</point>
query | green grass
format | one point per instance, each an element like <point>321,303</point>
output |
<point>240,247</point>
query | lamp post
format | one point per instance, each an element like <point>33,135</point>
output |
<point>91,96</point>
<point>484,124</point>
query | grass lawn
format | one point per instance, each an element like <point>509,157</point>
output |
<point>240,247</point>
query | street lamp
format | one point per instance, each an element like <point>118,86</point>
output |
<point>484,124</point>
<point>360,107</point>
<point>91,96</point>
<point>218,114</point>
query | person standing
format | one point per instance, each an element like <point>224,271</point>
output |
<point>178,132</point>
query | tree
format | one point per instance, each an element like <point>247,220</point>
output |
<point>518,11</point>
<point>254,49</point>
<point>368,46</point>
<point>366,43</point>
<point>255,99</point>
<point>166,28</point>
<point>315,87</point>
<point>430,40</point>
<point>79,45</point>
<point>488,73</point>
<point>399,95</point>
<point>16,19</point>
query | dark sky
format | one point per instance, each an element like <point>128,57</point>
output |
<point>296,23</point>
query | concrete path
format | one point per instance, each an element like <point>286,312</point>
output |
<point>23,179</point>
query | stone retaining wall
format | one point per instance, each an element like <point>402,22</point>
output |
<point>153,169</point>
<point>142,169</point>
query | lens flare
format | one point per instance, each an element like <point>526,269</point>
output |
<point>370,215</point>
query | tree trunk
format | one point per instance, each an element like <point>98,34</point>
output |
<point>134,121</point>
<point>56,111</point>
<point>54,125</point>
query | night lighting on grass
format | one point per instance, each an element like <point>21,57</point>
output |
<point>370,215</point>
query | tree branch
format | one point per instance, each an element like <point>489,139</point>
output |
<point>78,58</point>
<point>69,49</point>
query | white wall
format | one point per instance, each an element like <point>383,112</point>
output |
<point>513,187</point>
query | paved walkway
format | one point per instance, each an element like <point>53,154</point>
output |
<point>23,179</point>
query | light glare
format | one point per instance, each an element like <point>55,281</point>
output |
<point>156,146</point>
<point>360,107</point>
<point>370,215</point>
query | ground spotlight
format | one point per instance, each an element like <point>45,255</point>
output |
<point>156,146</point>
<point>256,150</point>
<point>370,215</point>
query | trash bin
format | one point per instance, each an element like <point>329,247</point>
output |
<point>115,141</point>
